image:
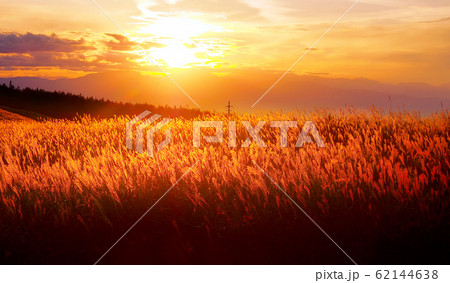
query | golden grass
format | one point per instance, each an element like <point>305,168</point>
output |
<point>373,167</point>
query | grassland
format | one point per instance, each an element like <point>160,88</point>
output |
<point>380,188</point>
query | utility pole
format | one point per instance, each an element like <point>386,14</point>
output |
<point>229,108</point>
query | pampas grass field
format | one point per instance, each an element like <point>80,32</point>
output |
<point>380,188</point>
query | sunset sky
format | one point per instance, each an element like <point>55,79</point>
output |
<point>386,40</point>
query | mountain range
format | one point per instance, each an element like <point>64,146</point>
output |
<point>211,91</point>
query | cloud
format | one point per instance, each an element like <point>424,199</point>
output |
<point>278,28</point>
<point>230,9</point>
<point>436,21</point>
<point>421,3</point>
<point>18,51</point>
<point>122,43</point>
<point>29,42</point>
<point>69,61</point>
<point>317,74</point>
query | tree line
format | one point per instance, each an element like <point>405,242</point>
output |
<point>66,105</point>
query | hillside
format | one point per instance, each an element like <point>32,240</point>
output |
<point>63,105</point>
<point>9,116</point>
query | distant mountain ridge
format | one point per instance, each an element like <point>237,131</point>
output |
<point>212,91</point>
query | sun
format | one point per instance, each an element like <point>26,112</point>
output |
<point>177,55</point>
<point>178,36</point>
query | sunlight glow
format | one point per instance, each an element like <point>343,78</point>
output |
<point>178,33</point>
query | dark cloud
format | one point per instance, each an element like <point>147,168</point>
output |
<point>18,51</point>
<point>70,61</point>
<point>44,59</point>
<point>29,42</point>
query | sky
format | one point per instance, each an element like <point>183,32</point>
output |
<point>391,41</point>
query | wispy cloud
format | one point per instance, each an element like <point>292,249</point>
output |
<point>436,21</point>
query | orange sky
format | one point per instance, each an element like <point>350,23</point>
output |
<point>390,41</point>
